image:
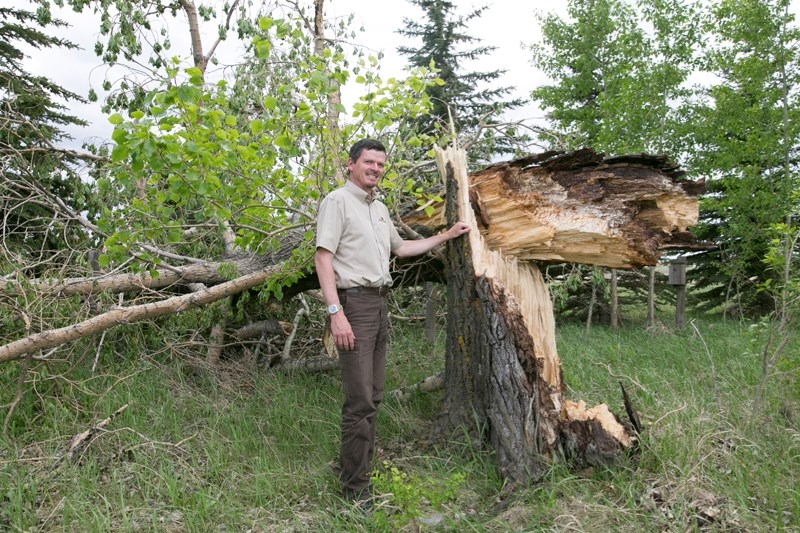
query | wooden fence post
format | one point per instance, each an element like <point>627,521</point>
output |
<point>677,277</point>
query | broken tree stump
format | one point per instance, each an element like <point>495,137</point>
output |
<point>502,368</point>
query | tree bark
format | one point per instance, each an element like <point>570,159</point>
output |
<point>216,343</point>
<point>590,312</point>
<point>193,20</point>
<point>614,300</point>
<point>431,310</point>
<point>264,327</point>
<point>502,368</point>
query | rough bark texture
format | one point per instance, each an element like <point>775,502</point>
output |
<point>502,367</point>
<point>255,330</point>
<point>581,207</point>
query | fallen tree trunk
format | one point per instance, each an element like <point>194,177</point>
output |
<point>125,315</point>
<point>255,330</point>
<point>429,384</point>
<point>502,367</point>
<point>207,273</point>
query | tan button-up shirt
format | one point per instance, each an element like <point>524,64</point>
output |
<point>359,232</point>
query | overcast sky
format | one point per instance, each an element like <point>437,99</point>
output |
<point>506,24</point>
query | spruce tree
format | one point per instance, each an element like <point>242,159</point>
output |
<point>32,117</point>
<point>469,97</point>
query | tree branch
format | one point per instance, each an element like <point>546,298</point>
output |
<point>213,48</point>
<point>124,315</point>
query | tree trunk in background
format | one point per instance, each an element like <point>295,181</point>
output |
<point>590,312</point>
<point>651,298</point>
<point>502,369</point>
<point>216,342</point>
<point>614,300</point>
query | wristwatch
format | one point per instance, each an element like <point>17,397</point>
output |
<point>333,309</point>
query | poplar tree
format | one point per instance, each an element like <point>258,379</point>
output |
<point>747,137</point>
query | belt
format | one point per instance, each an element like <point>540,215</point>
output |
<point>376,291</point>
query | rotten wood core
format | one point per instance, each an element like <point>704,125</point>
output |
<point>580,207</point>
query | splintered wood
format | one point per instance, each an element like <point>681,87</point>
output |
<point>523,283</point>
<point>580,207</point>
<point>502,362</point>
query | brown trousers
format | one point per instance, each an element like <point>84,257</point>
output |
<point>363,371</point>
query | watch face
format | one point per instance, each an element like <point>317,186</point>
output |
<point>332,309</point>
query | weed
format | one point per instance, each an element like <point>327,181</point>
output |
<point>406,496</point>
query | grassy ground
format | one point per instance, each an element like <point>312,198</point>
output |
<point>235,450</point>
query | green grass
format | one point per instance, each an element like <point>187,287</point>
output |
<point>231,450</point>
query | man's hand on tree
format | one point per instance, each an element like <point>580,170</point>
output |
<point>458,229</point>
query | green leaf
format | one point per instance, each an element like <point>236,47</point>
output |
<point>270,102</point>
<point>187,94</point>
<point>263,49</point>
<point>256,126</point>
<point>116,119</point>
<point>265,23</point>
<point>119,136</point>
<point>119,153</point>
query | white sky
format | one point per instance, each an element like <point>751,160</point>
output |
<point>506,24</point>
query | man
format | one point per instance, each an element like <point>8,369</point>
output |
<point>355,236</point>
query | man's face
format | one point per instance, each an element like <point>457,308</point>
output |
<point>367,170</point>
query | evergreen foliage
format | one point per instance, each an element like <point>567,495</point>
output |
<point>33,114</point>
<point>468,98</point>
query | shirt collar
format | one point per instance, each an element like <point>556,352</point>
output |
<point>359,193</point>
